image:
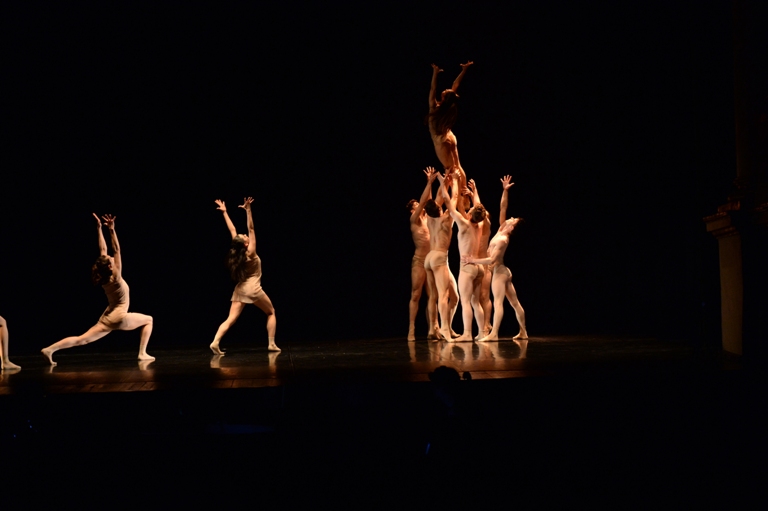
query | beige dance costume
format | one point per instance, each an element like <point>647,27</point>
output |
<point>249,290</point>
<point>118,295</point>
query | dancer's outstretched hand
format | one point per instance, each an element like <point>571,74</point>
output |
<point>436,69</point>
<point>109,221</point>
<point>506,182</point>
<point>246,205</point>
<point>220,205</point>
<point>471,185</point>
<point>431,174</point>
<point>98,220</point>
<point>469,63</point>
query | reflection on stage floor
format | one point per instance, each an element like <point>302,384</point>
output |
<point>89,370</point>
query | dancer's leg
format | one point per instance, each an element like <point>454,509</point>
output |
<point>499,286</point>
<point>519,312</point>
<point>443,283</point>
<point>485,299</point>
<point>5,362</point>
<point>95,333</point>
<point>418,277</point>
<point>477,286</point>
<point>465,292</point>
<point>265,304</point>
<point>434,329</point>
<point>234,313</point>
<point>453,300</point>
<point>134,320</point>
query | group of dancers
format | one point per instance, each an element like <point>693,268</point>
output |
<point>244,267</point>
<point>482,264</point>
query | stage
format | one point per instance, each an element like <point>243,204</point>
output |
<point>90,369</point>
<point>547,421</point>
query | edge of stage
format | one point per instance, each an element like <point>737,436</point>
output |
<point>350,420</point>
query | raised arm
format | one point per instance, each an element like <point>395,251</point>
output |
<point>475,194</point>
<point>109,221</point>
<point>102,243</point>
<point>433,90</point>
<point>506,183</point>
<point>223,208</point>
<point>457,81</point>
<point>425,195</point>
<point>251,231</point>
<point>450,202</point>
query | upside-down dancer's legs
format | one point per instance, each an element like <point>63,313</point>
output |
<point>5,362</point>
<point>234,312</point>
<point>95,333</point>
<point>265,304</point>
<point>134,320</point>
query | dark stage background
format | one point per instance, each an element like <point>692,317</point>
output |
<point>616,122</point>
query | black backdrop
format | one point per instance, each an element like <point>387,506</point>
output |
<point>616,122</point>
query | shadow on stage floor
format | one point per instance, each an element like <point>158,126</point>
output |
<point>551,420</point>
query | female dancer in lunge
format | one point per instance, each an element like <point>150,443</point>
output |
<point>501,285</point>
<point>245,269</point>
<point>441,118</point>
<point>107,272</point>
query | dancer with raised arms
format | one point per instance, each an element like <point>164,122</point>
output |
<point>245,269</point>
<point>440,119</point>
<point>470,277</point>
<point>107,272</point>
<point>502,278</point>
<point>420,234</point>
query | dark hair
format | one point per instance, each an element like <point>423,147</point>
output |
<point>520,222</point>
<point>432,208</point>
<point>444,116</point>
<point>478,214</point>
<point>236,260</point>
<point>101,271</point>
<point>411,203</point>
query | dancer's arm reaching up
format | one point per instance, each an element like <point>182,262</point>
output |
<point>433,88</point>
<point>117,267</point>
<point>457,81</point>
<point>102,243</point>
<point>506,183</point>
<point>246,205</point>
<point>425,195</point>
<point>223,208</point>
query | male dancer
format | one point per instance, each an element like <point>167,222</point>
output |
<point>502,277</point>
<point>440,225</point>
<point>420,234</point>
<point>482,251</point>
<point>470,279</point>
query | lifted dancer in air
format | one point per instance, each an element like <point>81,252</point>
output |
<point>6,362</point>
<point>440,119</point>
<point>245,269</point>
<point>420,234</point>
<point>470,277</point>
<point>107,272</point>
<point>502,278</point>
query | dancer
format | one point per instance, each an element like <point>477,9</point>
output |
<point>420,234</point>
<point>482,251</point>
<point>502,278</point>
<point>441,118</point>
<point>245,269</point>
<point>470,277</point>
<point>6,362</point>
<point>107,272</point>
<point>440,224</point>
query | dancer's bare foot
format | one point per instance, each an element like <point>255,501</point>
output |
<point>522,336</point>
<point>463,338</point>
<point>489,338</point>
<point>215,349</point>
<point>411,333</point>
<point>454,334</point>
<point>445,335</point>
<point>8,365</point>
<point>48,354</point>
<point>145,356</point>
<point>273,347</point>
<point>435,334</point>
